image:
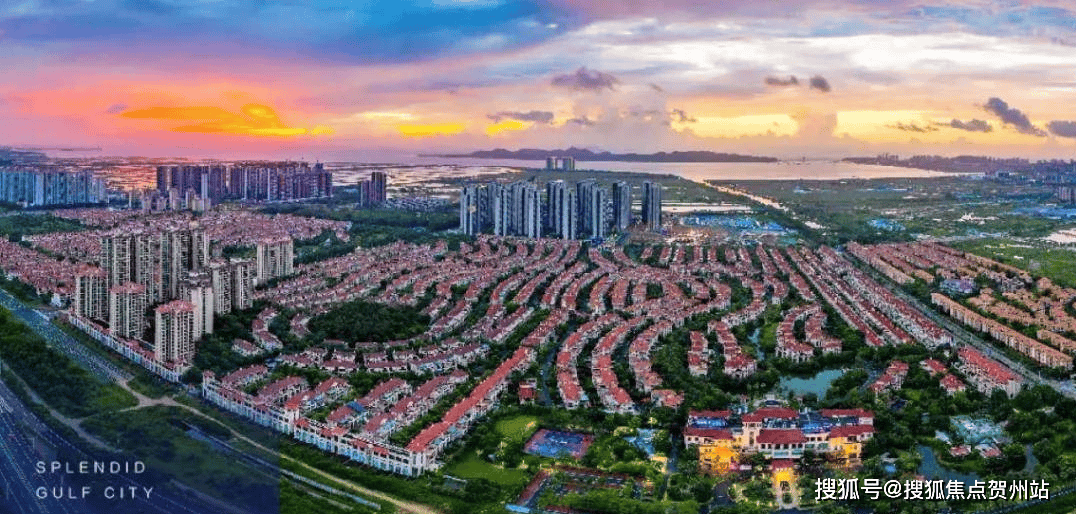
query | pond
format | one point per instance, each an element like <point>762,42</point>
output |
<point>932,469</point>
<point>818,384</point>
<point>644,441</point>
<point>753,339</point>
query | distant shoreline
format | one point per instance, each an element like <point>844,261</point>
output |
<point>583,155</point>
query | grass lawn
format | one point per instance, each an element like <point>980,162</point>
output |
<point>1041,259</point>
<point>156,436</point>
<point>474,467</point>
<point>518,429</point>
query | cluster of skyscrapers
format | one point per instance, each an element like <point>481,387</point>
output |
<point>50,186</point>
<point>560,163</point>
<point>581,210</point>
<point>169,270</point>
<point>1065,194</point>
<point>374,190</point>
<point>253,181</point>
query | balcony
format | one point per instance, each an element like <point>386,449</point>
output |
<point>787,454</point>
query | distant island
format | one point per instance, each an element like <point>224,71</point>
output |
<point>582,154</point>
<point>1052,169</point>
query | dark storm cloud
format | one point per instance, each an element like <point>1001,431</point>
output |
<point>1062,128</point>
<point>1012,116</point>
<point>820,83</point>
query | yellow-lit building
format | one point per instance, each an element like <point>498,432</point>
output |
<point>846,443</point>
<point>778,434</point>
<point>717,458</point>
<point>784,474</point>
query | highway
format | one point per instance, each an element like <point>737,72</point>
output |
<point>58,339</point>
<point>18,452</point>
<point>25,440</point>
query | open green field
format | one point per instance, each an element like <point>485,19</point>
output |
<point>158,436</point>
<point>517,429</point>
<point>941,206</point>
<point>474,467</point>
<point>29,224</point>
<point>1039,258</point>
<point>55,377</point>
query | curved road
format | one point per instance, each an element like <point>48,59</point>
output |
<point>25,440</point>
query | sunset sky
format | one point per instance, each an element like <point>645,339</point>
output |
<point>354,80</point>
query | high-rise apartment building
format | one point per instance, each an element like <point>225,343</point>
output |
<point>91,293</point>
<point>127,304</point>
<point>174,332</point>
<point>50,186</point>
<point>530,209</point>
<point>469,215</point>
<point>260,181</point>
<point>568,211</point>
<point>516,209</point>
<point>563,216</point>
<point>584,190</point>
<point>243,276</point>
<point>652,205</point>
<point>501,206</point>
<point>275,257</point>
<point>197,288</point>
<point>560,163</point>
<point>233,284</point>
<point>378,187</point>
<point>592,200</point>
<point>621,205</point>
<point>373,191</point>
<point>157,259</point>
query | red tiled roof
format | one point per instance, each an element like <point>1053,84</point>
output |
<point>850,430</point>
<point>838,413</point>
<point>769,413</point>
<point>951,383</point>
<point>780,436</point>
<point>711,433</point>
<point>424,438</point>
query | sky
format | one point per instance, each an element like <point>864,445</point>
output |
<point>332,79</point>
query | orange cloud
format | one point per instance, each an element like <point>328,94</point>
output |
<point>252,120</point>
<point>431,129</point>
<point>503,126</point>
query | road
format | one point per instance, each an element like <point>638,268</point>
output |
<point>58,339</point>
<point>104,369</point>
<point>25,440</point>
<point>543,384</point>
<point>18,452</point>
